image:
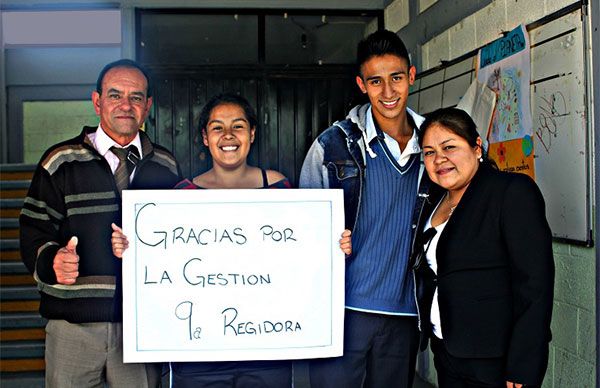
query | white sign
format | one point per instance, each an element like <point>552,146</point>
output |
<point>215,275</point>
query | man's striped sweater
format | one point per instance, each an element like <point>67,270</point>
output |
<point>73,193</point>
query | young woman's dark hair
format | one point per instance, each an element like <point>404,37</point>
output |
<point>227,98</point>
<point>459,122</point>
<point>380,43</point>
<point>128,64</point>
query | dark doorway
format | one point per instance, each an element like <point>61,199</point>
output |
<point>297,71</point>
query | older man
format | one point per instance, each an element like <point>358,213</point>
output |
<point>74,197</point>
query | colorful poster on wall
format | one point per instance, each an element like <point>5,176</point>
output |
<point>514,155</point>
<point>504,66</point>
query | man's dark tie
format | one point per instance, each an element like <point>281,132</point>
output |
<point>128,158</point>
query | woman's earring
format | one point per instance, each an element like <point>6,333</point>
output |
<point>480,159</point>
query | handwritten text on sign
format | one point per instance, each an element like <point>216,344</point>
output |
<point>232,275</point>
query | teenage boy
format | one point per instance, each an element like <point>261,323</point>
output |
<point>374,156</point>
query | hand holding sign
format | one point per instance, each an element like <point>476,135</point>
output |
<point>346,242</point>
<point>118,241</point>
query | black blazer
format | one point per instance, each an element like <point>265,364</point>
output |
<point>495,274</point>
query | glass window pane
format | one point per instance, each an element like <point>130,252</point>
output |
<point>316,39</point>
<point>194,39</point>
<point>46,123</point>
<point>61,27</point>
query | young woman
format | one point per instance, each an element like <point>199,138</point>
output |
<point>228,125</point>
<point>483,261</point>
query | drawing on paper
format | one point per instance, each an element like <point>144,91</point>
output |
<point>504,66</point>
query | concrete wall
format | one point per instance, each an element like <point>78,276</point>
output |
<point>419,21</point>
<point>484,26</point>
<point>573,348</point>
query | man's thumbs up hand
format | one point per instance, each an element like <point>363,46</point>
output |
<point>66,263</point>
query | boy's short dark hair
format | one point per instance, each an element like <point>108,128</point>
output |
<point>127,63</point>
<point>379,43</point>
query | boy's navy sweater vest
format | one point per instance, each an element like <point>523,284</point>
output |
<point>377,277</point>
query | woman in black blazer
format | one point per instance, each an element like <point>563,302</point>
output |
<point>483,263</point>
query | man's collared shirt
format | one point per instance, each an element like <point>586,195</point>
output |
<point>402,157</point>
<point>102,143</point>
